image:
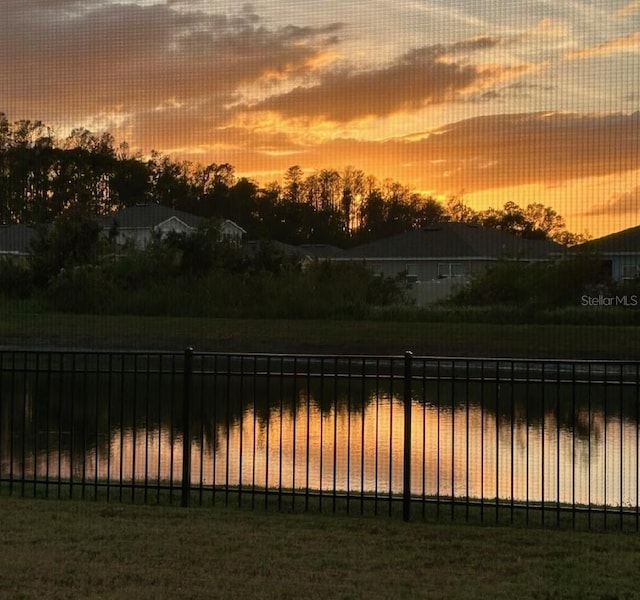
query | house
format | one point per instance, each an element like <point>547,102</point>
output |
<point>619,251</point>
<point>139,222</point>
<point>15,241</point>
<point>439,258</point>
<point>231,231</point>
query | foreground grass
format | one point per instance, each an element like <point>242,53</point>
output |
<point>41,329</point>
<point>65,549</point>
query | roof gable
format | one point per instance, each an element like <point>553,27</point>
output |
<point>229,226</point>
<point>173,223</point>
<point>148,216</point>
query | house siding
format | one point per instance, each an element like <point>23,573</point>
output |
<point>625,266</point>
<point>421,269</point>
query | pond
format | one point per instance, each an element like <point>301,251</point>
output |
<point>525,439</point>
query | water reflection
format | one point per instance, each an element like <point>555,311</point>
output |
<point>569,443</point>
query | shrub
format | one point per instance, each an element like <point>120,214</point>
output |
<point>532,286</point>
<point>82,289</point>
<point>72,240</point>
<point>16,280</point>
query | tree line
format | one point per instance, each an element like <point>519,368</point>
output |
<point>44,176</point>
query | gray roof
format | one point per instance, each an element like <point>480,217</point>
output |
<point>252,247</point>
<point>16,239</point>
<point>147,216</point>
<point>302,251</point>
<point>321,250</point>
<point>455,240</point>
<point>627,240</point>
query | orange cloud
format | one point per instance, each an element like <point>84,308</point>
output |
<point>630,42</point>
<point>620,204</point>
<point>488,152</point>
<point>419,78</point>
<point>629,10</point>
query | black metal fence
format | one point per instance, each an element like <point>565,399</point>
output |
<point>488,440</point>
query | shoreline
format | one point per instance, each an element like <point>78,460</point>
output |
<point>43,331</point>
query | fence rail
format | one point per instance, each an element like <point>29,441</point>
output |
<point>531,441</point>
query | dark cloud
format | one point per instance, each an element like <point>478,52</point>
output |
<point>65,60</point>
<point>504,150</point>
<point>420,77</point>
<point>517,89</point>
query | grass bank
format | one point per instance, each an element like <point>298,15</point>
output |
<point>28,328</point>
<point>66,549</point>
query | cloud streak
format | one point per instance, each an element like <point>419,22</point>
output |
<point>629,10</point>
<point>419,78</point>
<point>476,154</point>
<point>625,203</point>
<point>627,43</point>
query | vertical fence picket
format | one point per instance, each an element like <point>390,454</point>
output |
<point>186,427</point>
<point>406,496</point>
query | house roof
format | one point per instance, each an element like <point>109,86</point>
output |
<point>147,216</point>
<point>627,240</point>
<point>455,240</point>
<point>16,239</point>
<point>321,250</point>
<point>252,247</point>
<point>309,251</point>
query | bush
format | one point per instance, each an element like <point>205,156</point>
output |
<point>132,269</point>
<point>532,286</point>
<point>174,277</point>
<point>16,280</point>
<point>82,289</point>
<point>71,241</point>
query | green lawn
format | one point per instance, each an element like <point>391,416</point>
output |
<point>36,329</point>
<point>67,549</point>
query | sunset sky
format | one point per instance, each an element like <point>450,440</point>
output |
<point>529,100</point>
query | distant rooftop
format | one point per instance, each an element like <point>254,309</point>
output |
<point>627,240</point>
<point>149,215</point>
<point>322,250</point>
<point>455,240</point>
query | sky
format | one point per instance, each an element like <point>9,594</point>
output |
<point>524,101</point>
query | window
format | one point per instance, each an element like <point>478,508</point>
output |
<point>450,270</point>
<point>412,272</point>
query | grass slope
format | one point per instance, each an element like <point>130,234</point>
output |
<point>66,549</point>
<point>323,336</point>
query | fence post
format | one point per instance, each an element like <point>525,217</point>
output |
<point>406,496</point>
<point>186,427</point>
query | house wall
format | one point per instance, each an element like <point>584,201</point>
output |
<point>142,236</point>
<point>231,232</point>
<point>625,266</point>
<point>19,258</point>
<point>421,270</point>
<point>427,292</point>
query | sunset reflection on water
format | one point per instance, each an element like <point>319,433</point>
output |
<point>460,449</point>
